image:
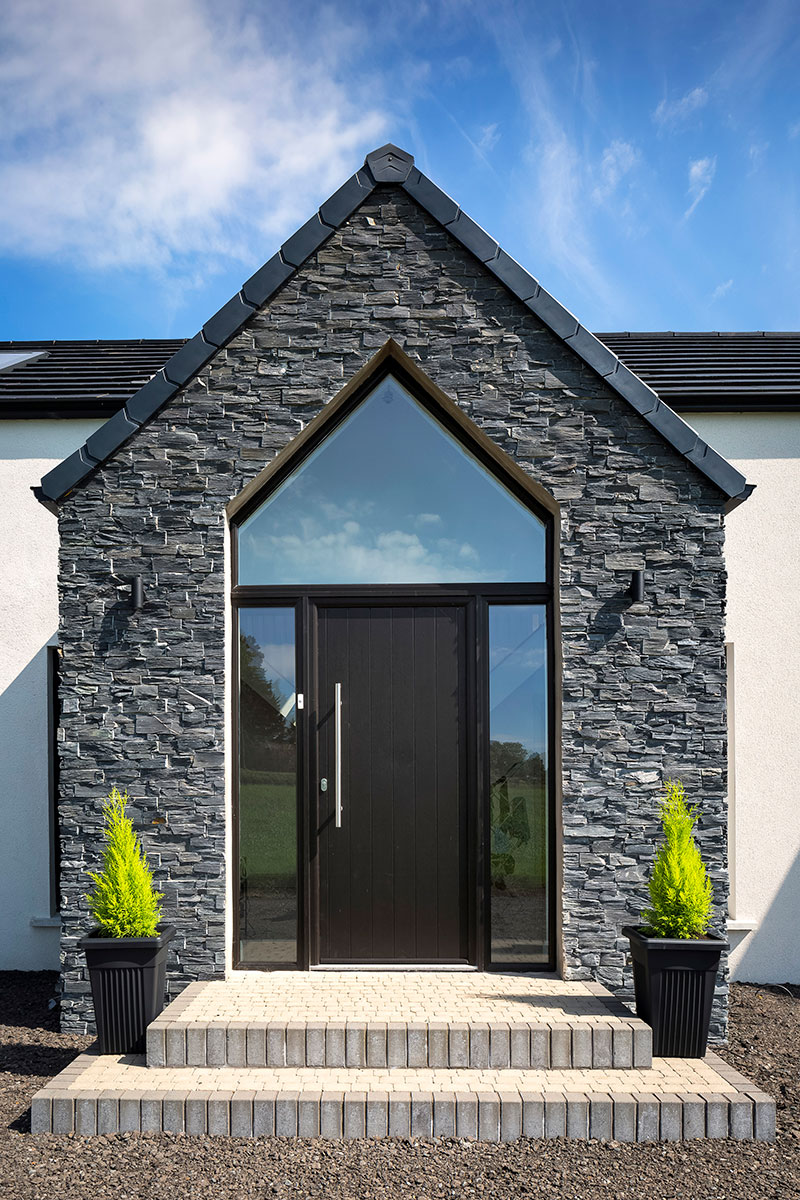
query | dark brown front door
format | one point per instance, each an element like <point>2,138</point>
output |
<point>392,880</point>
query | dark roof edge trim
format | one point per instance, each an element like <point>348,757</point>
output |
<point>393,166</point>
<point>83,411</point>
<point>49,504</point>
<point>735,501</point>
<point>747,402</point>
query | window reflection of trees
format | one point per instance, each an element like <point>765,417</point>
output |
<point>516,775</point>
<point>267,736</point>
<point>267,794</point>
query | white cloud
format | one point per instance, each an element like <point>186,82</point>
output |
<point>722,289</point>
<point>670,113</point>
<point>794,130</point>
<point>562,217</point>
<point>353,553</point>
<point>142,134</point>
<point>701,176</point>
<point>490,136</point>
<point>553,176</point>
<point>619,158</point>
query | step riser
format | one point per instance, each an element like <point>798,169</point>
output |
<point>490,1117</point>
<point>623,1045</point>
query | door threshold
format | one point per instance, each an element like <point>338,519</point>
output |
<point>393,967</point>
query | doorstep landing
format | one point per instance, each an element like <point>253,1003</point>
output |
<point>414,1019</point>
<point>674,1099</point>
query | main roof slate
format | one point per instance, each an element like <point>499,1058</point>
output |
<point>702,371</point>
<point>81,378</point>
<point>387,165</point>
<point>693,372</point>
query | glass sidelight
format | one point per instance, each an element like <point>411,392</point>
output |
<point>518,783</point>
<point>268,892</point>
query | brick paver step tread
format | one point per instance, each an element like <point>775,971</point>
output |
<point>395,995</point>
<point>673,1099</point>
<point>399,1018</point>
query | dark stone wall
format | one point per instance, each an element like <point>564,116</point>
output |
<point>143,695</point>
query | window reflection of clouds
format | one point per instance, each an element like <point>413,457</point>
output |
<point>518,676</point>
<point>390,497</point>
<point>271,633</point>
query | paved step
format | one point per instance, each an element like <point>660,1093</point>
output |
<point>672,1100</point>
<point>437,1020</point>
<point>625,1044</point>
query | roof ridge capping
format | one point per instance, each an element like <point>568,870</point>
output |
<point>387,165</point>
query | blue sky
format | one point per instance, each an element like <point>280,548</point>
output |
<point>640,157</point>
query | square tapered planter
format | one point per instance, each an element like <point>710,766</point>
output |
<point>674,980</point>
<point>128,978</point>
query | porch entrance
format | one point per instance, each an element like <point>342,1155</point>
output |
<point>393,663</point>
<point>393,809</point>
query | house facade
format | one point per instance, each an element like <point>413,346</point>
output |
<point>53,396</point>
<point>741,392</point>
<point>382,695</point>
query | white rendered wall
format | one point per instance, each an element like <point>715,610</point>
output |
<point>763,558</point>
<point>28,623</point>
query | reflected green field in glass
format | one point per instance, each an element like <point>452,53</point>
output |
<point>529,856</point>
<point>268,826</point>
<point>268,830</point>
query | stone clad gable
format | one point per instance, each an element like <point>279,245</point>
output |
<point>144,694</point>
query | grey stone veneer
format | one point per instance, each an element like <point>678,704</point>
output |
<point>143,694</point>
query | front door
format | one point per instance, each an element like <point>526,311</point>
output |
<point>392,765</point>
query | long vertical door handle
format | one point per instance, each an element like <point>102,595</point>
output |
<point>337,708</point>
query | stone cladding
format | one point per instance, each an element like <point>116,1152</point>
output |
<point>143,695</point>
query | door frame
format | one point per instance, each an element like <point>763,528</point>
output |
<point>475,598</point>
<point>391,359</point>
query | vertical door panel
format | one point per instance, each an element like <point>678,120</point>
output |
<point>382,798</point>
<point>392,885</point>
<point>449,692</point>
<point>404,716</point>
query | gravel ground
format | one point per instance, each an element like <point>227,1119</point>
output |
<point>765,1045</point>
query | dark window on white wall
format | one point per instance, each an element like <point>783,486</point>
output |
<point>53,664</point>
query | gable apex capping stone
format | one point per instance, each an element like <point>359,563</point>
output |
<point>391,165</point>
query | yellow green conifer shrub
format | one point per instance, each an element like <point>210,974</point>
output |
<point>680,890</point>
<point>124,901</point>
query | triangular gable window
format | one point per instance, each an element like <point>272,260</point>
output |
<point>391,497</point>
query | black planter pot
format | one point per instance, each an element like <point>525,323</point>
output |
<point>128,977</point>
<point>674,982</point>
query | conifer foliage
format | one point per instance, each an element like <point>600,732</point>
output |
<point>124,901</point>
<point>680,890</point>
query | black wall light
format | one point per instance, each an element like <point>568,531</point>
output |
<point>137,593</point>
<point>636,590</point>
